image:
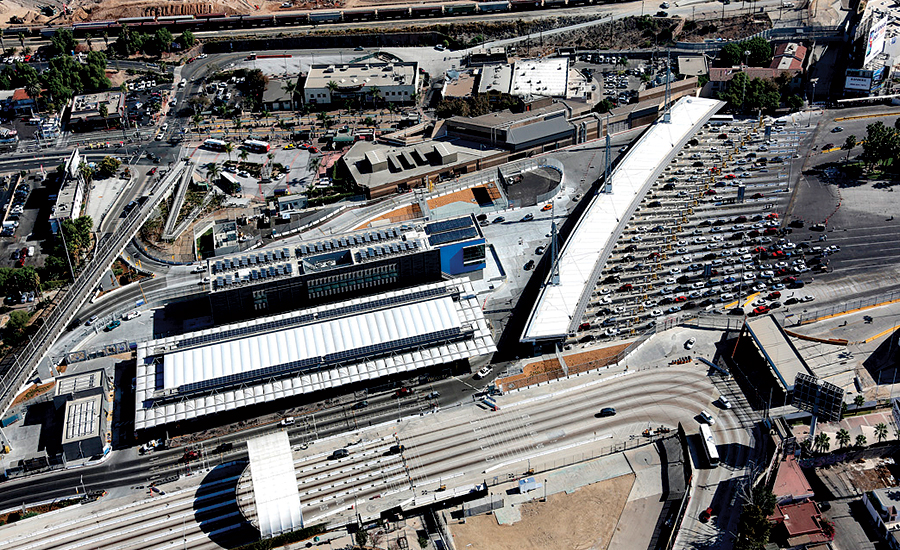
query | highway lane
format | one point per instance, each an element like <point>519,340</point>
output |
<point>457,447</point>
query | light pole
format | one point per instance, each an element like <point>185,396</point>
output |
<point>812,81</point>
<point>744,88</point>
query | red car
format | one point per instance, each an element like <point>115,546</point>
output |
<point>705,515</point>
<point>681,299</point>
<point>625,288</point>
<point>152,171</point>
<point>402,391</point>
<point>710,192</point>
<point>772,216</point>
<point>313,149</point>
<point>190,455</point>
<point>760,310</point>
<point>773,295</point>
<point>730,176</point>
<point>584,326</point>
<point>20,262</point>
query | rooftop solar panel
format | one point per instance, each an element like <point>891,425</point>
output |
<point>452,236</point>
<point>447,225</point>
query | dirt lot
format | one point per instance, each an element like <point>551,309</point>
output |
<point>585,519</point>
<point>649,32</point>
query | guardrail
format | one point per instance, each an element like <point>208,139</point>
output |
<point>847,307</point>
<point>18,365</point>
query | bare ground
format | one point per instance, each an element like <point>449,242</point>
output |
<point>583,520</point>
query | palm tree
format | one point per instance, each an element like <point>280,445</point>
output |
<point>243,155</point>
<point>375,92</point>
<point>195,120</point>
<point>849,144</point>
<point>324,118</point>
<point>33,89</point>
<point>823,442</point>
<point>859,401</point>
<point>291,89</point>
<point>212,171</point>
<point>237,126</point>
<point>314,163</point>
<point>843,437</point>
<point>87,38</point>
<point>332,87</point>
<point>881,431</point>
<point>392,109</point>
<point>22,39</point>
<point>860,440</point>
<point>229,147</point>
<point>106,38</point>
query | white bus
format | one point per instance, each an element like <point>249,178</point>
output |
<point>214,144</point>
<point>709,445</point>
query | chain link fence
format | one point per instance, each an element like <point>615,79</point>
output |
<point>853,305</point>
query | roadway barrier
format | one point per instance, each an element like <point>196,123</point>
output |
<point>18,365</point>
<point>841,309</point>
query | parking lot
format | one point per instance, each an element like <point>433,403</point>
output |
<point>620,79</point>
<point>709,236</point>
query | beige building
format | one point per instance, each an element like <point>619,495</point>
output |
<point>394,82</point>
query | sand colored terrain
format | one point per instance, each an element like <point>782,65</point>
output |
<point>583,520</point>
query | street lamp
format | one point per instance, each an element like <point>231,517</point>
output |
<point>812,81</point>
<point>744,88</point>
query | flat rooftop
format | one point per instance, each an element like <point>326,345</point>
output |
<point>560,306</point>
<point>540,77</point>
<point>776,348</point>
<point>79,382</point>
<point>359,76</point>
<point>82,418</point>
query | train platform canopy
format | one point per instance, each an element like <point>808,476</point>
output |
<point>274,484</point>
<point>199,373</point>
<point>776,348</point>
<point>560,306</point>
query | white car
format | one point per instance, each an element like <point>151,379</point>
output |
<point>198,269</point>
<point>724,402</point>
<point>131,315</point>
<point>484,371</point>
<point>656,313</point>
<point>204,280</point>
<point>164,127</point>
<point>611,331</point>
<point>807,298</point>
<point>690,343</point>
<point>708,418</point>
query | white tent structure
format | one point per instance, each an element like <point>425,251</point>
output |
<point>559,307</point>
<point>199,373</point>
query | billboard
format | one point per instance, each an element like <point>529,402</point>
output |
<point>875,42</point>
<point>817,396</point>
<point>860,83</point>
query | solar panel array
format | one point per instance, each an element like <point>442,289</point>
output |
<point>453,236</point>
<point>349,241</point>
<point>448,225</point>
<point>288,322</point>
<point>253,275</point>
<point>260,258</point>
<point>375,252</point>
<point>314,364</point>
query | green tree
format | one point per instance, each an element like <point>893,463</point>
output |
<point>187,40</point>
<point>229,148</point>
<point>254,86</point>
<point>843,437</point>
<point>861,440</point>
<point>604,106</point>
<point>897,124</point>
<point>849,144</point>
<point>163,39</point>
<point>368,121</point>
<point>794,102</point>
<point>88,38</point>
<point>62,43</point>
<point>243,155</point>
<point>859,401</point>
<point>881,431</point>
<point>362,537</point>
<point>213,171</point>
<point>882,144</point>
<point>108,167</point>
<point>823,442</point>
<point>104,113</point>
<point>760,49</point>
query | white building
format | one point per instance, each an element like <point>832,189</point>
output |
<point>394,82</point>
<point>70,199</point>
